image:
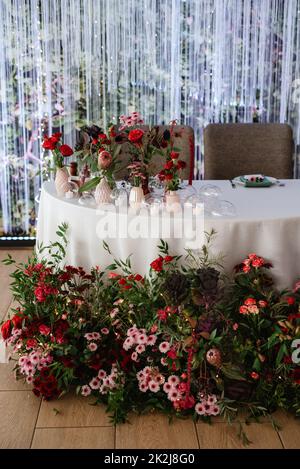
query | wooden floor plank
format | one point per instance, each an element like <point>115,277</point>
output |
<point>72,411</point>
<point>289,429</point>
<point>224,436</point>
<point>153,431</point>
<point>8,381</point>
<point>19,255</point>
<point>18,411</point>
<point>5,296</point>
<point>74,438</point>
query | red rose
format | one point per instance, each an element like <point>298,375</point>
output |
<point>135,136</point>
<point>31,343</point>
<point>259,262</point>
<point>162,315</point>
<point>174,155</point>
<point>138,278</point>
<point>44,330</point>
<point>49,143</point>
<point>102,136</point>
<point>112,275</point>
<point>122,281</point>
<point>66,150</point>
<point>243,309</point>
<point>168,177</point>
<point>254,375</point>
<point>56,136</point>
<point>169,165</point>
<point>290,300</point>
<point>161,175</point>
<point>6,329</point>
<point>40,294</point>
<point>181,164</point>
<point>157,264</point>
<point>17,320</point>
<point>250,301</point>
<point>168,258</point>
<point>172,354</point>
<point>262,303</point>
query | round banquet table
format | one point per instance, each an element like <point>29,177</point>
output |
<point>267,222</point>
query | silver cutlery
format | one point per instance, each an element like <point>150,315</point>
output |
<point>232,184</point>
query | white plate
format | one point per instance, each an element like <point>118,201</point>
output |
<point>241,183</point>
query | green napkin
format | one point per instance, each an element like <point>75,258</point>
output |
<point>265,183</point>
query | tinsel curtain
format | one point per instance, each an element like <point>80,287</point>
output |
<point>64,63</point>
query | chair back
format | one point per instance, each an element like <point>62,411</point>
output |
<point>231,150</point>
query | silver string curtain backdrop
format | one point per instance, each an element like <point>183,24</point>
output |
<point>65,63</point>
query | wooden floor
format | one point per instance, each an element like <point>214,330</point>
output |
<point>28,422</point>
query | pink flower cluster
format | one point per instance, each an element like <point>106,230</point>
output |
<point>252,261</point>
<point>130,121</point>
<point>93,337</point>
<point>15,334</point>
<point>149,378</point>
<point>33,361</point>
<point>104,382</point>
<point>140,340</point>
<point>208,406</point>
<point>251,306</point>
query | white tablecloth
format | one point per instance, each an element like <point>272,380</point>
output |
<point>267,222</point>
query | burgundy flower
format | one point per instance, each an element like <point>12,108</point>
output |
<point>44,330</point>
<point>181,164</point>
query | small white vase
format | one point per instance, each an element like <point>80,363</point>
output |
<point>136,197</point>
<point>62,181</point>
<point>103,192</point>
<point>172,201</point>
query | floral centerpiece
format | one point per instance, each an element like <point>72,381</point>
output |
<point>59,152</point>
<point>170,174</point>
<point>198,343</point>
<point>99,150</point>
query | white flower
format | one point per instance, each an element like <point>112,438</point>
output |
<point>89,336</point>
<point>95,383</point>
<point>92,346</point>
<point>173,380</point>
<point>173,394</point>
<point>134,356</point>
<point>143,387</point>
<point>211,399</point>
<point>101,374</point>
<point>167,388</point>
<point>200,409</point>
<point>128,343</point>
<point>151,339</point>
<point>85,390</point>
<point>164,347</point>
<point>140,348</point>
<point>96,335</point>
<point>142,339</point>
<point>153,386</point>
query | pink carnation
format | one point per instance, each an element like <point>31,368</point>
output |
<point>164,347</point>
<point>85,390</point>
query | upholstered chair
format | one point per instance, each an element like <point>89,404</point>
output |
<point>231,150</point>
